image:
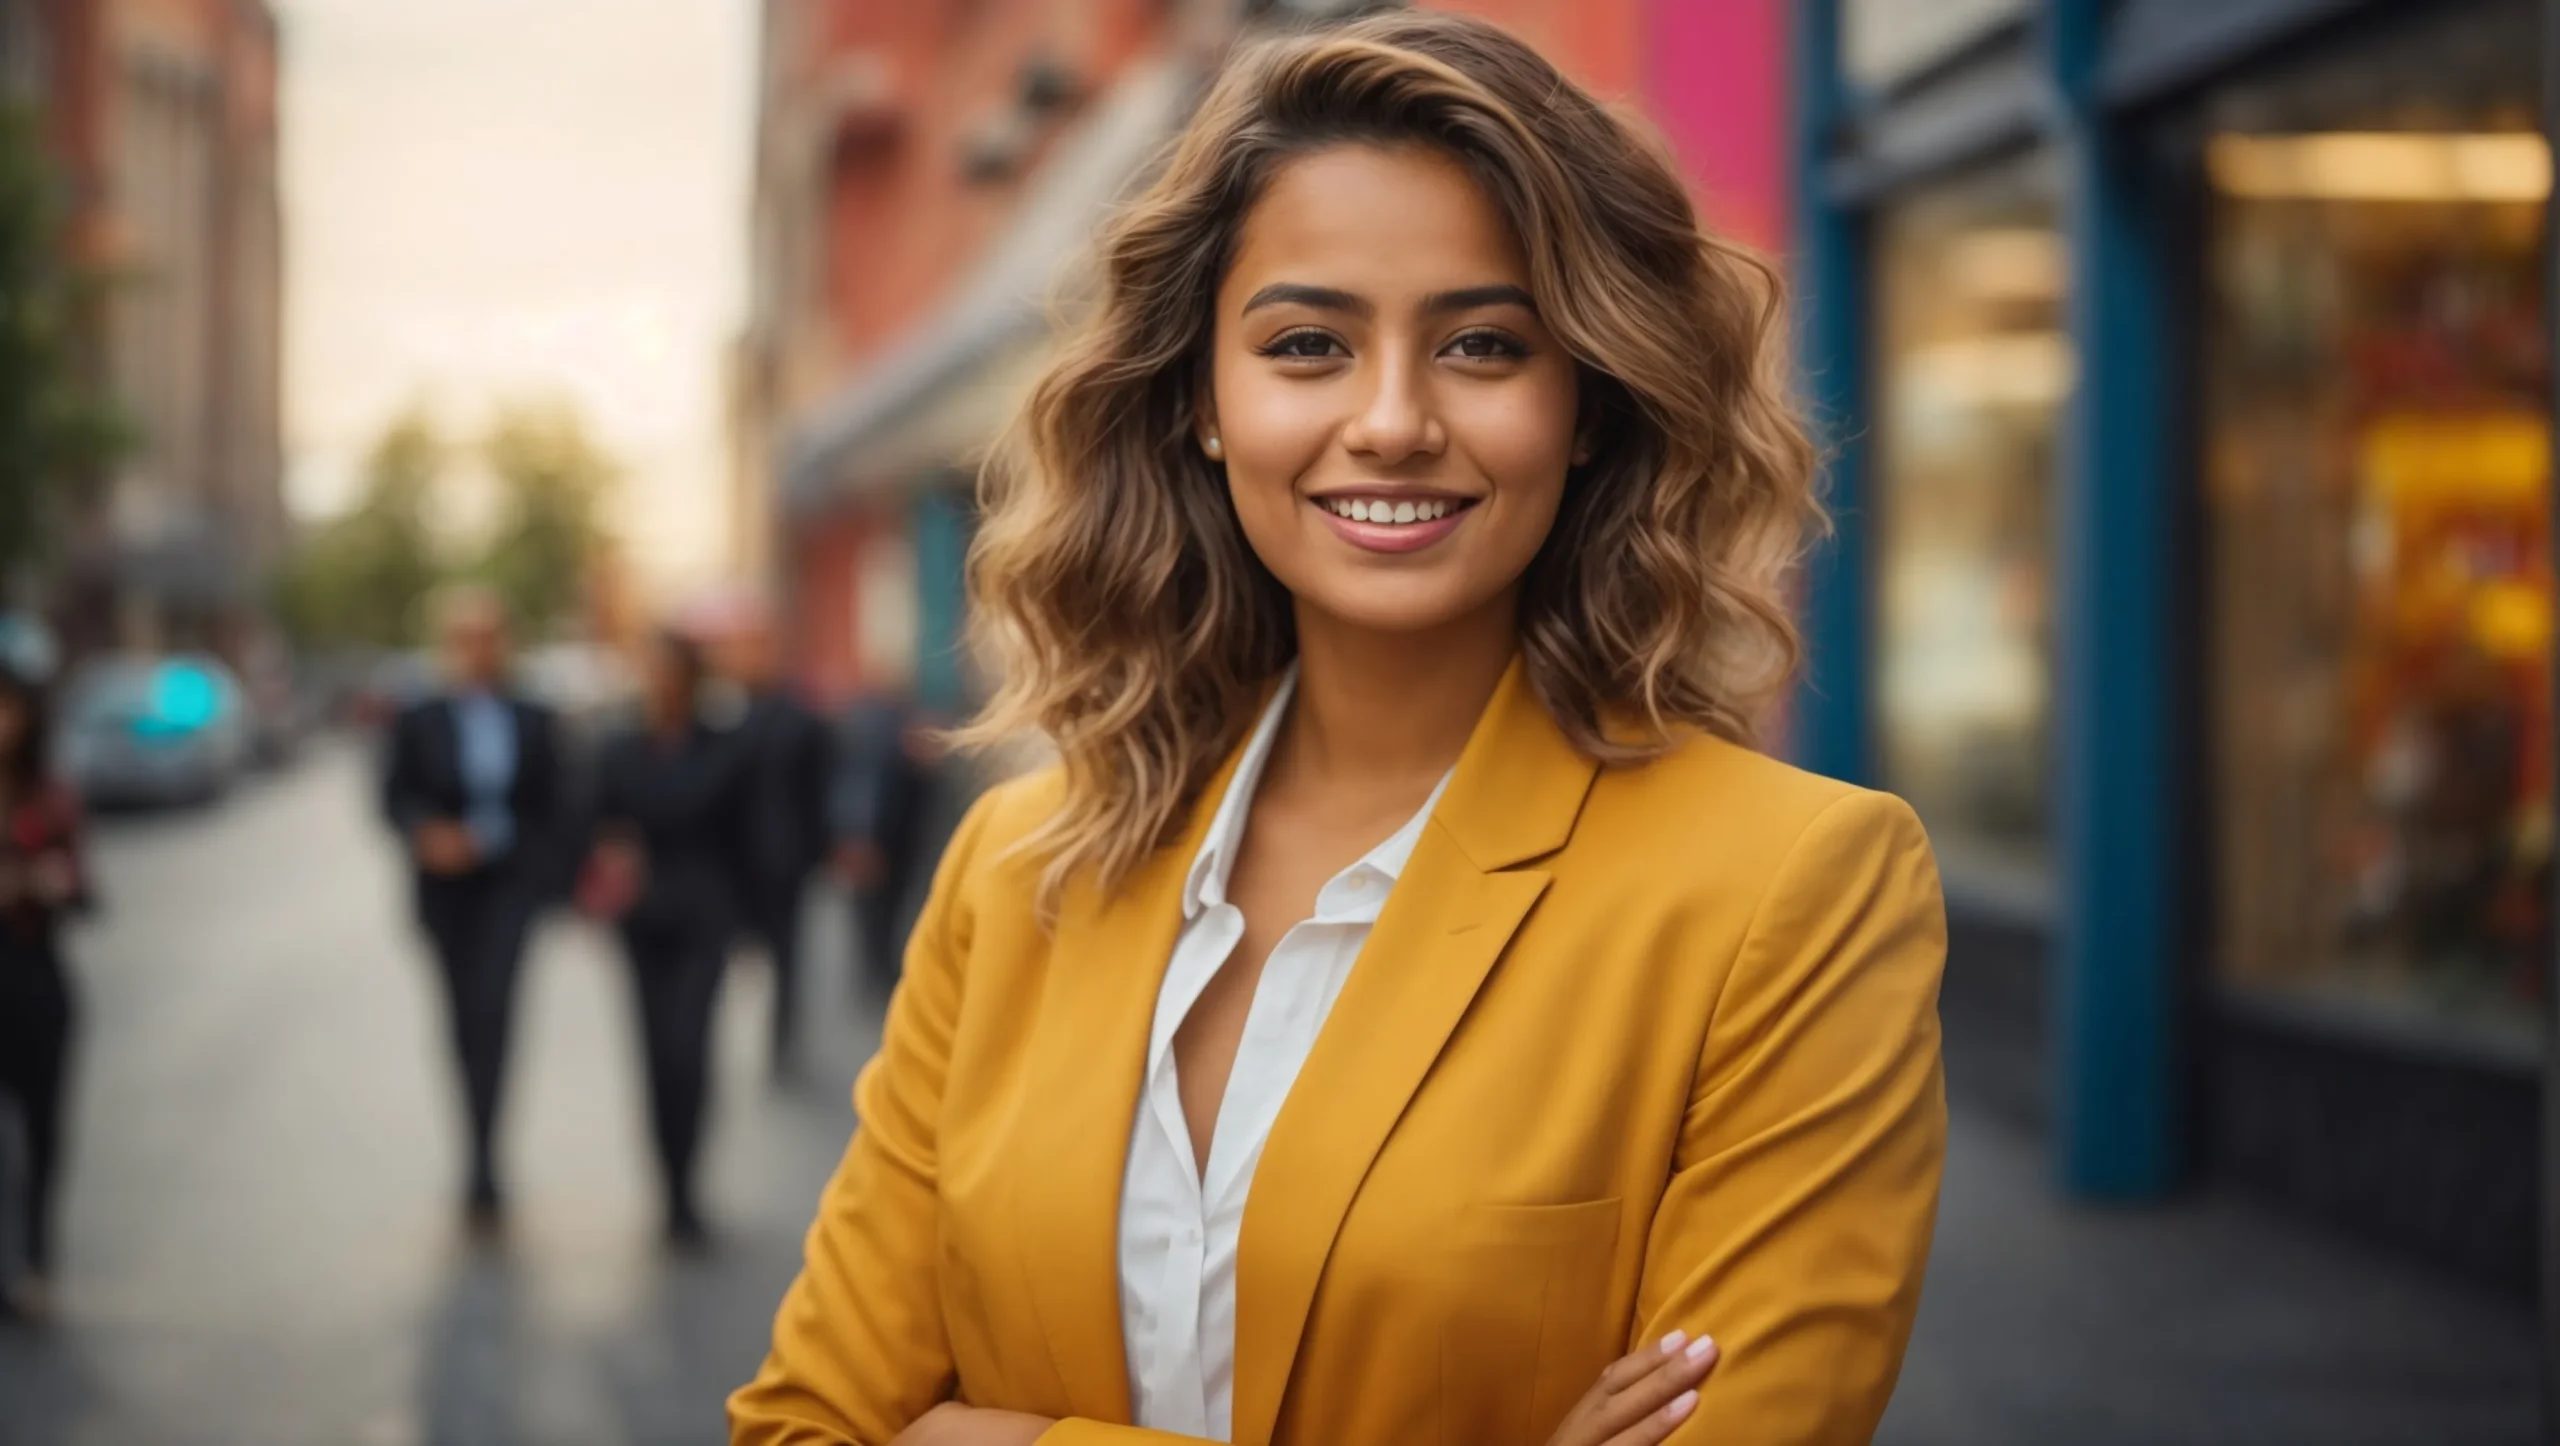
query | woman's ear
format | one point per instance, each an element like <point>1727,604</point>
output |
<point>1204,430</point>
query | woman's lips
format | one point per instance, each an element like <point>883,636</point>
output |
<point>1394,536</point>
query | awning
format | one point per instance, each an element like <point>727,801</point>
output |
<point>941,394</point>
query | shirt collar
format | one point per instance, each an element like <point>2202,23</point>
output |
<point>1206,884</point>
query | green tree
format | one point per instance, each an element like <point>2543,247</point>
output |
<point>554,482</point>
<point>59,431</point>
<point>363,577</point>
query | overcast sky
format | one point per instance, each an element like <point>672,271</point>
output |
<point>492,197</point>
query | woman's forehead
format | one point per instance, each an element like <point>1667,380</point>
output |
<point>1382,223</point>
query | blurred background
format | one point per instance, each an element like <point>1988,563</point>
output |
<point>2186,370</point>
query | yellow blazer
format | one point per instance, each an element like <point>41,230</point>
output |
<point>1630,1050</point>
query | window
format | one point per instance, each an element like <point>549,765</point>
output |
<point>1974,367</point>
<point>2377,477</point>
<point>1883,42</point>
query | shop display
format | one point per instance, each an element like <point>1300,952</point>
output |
<point>2378,475</point>
<point>1974,367</point>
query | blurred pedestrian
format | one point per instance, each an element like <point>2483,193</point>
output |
<point>43,880</point>
<point>875,810</point>
<point>791,760</point>
<point>474,789</point>
<point>669,865</point>
<point>1409,991</point>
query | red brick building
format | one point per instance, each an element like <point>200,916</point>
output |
<point>162,115</point>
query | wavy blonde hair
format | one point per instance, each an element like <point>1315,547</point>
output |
<point>1111,583</point>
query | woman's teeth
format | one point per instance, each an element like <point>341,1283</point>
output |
<point>1393,513</point>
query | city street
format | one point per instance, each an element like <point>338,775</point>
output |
<point>259,1234</point>
<point>260,1246</point>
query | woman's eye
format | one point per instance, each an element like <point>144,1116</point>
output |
<point>1487,346</point>
<point>1302,345</point>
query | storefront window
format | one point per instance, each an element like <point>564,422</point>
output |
<point>1883,42</point>
<point>1974,366</point>
<point>2378,471</point>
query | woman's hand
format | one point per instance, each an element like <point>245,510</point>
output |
<point>952,1424</point>
<point>1641,1399</point>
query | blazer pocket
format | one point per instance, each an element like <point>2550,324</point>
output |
<point>1528,1331</point>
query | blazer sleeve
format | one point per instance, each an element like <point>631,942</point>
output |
<point>404,801</point>
<point>859,1347</point>
<point>1805,1186</point>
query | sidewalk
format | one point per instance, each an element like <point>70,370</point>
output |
<point>2211,1321</point>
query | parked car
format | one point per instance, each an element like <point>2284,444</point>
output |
<point>144,731</point>
<point>27,646</point>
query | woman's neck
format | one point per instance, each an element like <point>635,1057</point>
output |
<point>1391,711</point>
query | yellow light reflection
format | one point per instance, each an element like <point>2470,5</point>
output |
<point>2439,167</point>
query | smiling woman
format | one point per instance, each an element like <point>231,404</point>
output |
<point>1409,1012</point>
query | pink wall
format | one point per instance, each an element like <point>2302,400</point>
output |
<point>1716,82</point>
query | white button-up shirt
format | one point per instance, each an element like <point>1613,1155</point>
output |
<point>1178,1224</point>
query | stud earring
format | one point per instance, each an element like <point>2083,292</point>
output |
<point>1216,449</point>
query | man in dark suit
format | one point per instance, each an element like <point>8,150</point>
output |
<point>876,812</point>
<point>792,764</point>
<point>473,789</point>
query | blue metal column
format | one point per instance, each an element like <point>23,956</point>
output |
<point>1830,716</point>
<point>938,524</point>
<point>2114,965</point>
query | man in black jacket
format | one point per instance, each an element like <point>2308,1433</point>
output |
<point>791,766</point>
<point>473,789</point>
<point>876,809</point>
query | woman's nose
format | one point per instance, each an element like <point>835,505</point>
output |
<point>1396,420</point>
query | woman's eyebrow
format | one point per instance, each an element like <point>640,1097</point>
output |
<point>1438,303</point>
<point>1321,298</point>
<point>1472,298</point>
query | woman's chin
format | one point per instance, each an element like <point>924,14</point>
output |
<point>1393,611</point>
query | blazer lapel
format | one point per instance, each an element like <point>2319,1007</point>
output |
<point>1518,788</point>
<point>1085,1068</point>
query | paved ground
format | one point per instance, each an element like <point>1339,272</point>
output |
<point>258,1238</point>
<point>259,1250</point>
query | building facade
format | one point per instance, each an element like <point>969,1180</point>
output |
<point>2194,577</point>
<point>162,116</point>
<point>922,174</point>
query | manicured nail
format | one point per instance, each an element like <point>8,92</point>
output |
<point>1674,1341</point>
<point>1703,1348</point>
<point>1680,1407</point>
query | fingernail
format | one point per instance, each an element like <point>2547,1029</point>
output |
<point>1673,1341</point>
<point>1701,1348</point>
<point>1680,1407</point>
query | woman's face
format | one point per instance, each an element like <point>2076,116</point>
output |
<point>1395,421</point>
<point>669,684</point>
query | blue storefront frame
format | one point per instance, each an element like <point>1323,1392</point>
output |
<point>2126,1046</point>
<point>2112,1084</point>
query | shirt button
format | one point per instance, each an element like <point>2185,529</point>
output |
<point>1359,883</point>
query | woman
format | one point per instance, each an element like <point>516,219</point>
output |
<point>1407,1013</point>
<point>42,881</point>
<point>671,820</point>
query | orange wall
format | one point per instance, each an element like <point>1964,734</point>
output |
<point>1600,43</point>
<point>905,223</point>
